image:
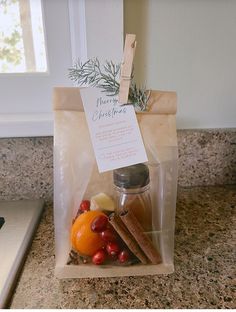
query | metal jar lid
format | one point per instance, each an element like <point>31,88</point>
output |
<point>132,176</point>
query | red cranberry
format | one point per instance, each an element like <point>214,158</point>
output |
<point>112,249</point>
<point>123,256</point>
<point>108,236</point>
<point>99,257</point>
<point>84,206</point>
<point>99,224</point>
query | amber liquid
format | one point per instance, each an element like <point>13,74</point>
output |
<point>140,205</point>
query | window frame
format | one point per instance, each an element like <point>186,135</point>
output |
<point>22,123</point>
<point>39,122</point>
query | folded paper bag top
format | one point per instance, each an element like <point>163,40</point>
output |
<point>159,102</point>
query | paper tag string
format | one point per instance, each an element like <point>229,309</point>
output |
<point>126,68</point>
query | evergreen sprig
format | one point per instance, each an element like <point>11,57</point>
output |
<point>139,97</point>
<point>106,77</point>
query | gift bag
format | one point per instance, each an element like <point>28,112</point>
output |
<point>120,222</point>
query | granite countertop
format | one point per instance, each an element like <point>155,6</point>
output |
<point>204,264</point>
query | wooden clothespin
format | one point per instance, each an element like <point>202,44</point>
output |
<point>126,68</point>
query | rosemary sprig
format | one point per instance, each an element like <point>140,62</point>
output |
<point>106,77</point>
<point>138,96</point>
<point>90,73</point>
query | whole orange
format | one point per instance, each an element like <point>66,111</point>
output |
<point>83,239</point>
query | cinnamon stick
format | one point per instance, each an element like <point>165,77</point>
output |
<point>142,239</point>
<point>125,235</point>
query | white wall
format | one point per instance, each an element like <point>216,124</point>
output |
<point>104,29</point>
<point>188,46</point>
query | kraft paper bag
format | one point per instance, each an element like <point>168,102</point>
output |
<point>76,177</point>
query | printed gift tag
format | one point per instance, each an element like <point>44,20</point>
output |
<point>114,131</point>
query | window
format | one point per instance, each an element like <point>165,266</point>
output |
<point>22,43</point>
<point>72,30</point>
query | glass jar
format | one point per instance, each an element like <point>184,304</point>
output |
<point>132,191</point>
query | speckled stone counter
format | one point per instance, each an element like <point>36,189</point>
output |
<point>206,157</point>
<point>204,264</point>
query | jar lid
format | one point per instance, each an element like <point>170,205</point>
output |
<point>132,176</point>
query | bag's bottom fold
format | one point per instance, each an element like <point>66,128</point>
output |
<point>91,271</point>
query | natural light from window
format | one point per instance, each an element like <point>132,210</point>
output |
<point>22,43</point>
